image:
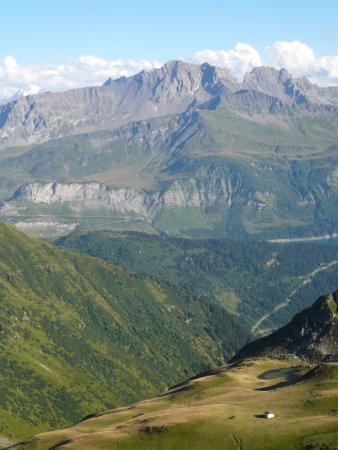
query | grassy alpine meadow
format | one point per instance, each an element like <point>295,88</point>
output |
<point>220,410</point>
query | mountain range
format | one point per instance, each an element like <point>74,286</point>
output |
<point>185,149</point>
<point>175,88</point>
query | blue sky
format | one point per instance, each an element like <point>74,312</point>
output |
<point>42,30</point>
<point>36,34</point>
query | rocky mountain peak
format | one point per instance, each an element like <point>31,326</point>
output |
<point>311,335</point>
<point>188,76</point>
<point>281,84</point>
<point>177,64</point>
<point>305,82</point>
<point>271,81</point>
<point>266,74</point>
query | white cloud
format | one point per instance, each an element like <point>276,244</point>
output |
<point>325,70</point>
<point>10,63</point>
<point>300,59</point>
<point>239,60</point>
<point>89,70</point>
<point>295,56</point>
<point>83,71</point>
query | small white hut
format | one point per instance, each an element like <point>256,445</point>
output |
<point>269,414</point>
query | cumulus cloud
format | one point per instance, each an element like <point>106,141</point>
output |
<point>239,60</point>
<point>327,67</point>
<point>83,71</point>
<point>10,63</point>
<point>294,56</point>
<point>300,59</point>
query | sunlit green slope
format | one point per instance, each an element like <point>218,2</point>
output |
<point>223,411</point>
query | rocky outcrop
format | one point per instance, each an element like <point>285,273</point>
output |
<point>87,195</point>
<point>201,191</point>
<point>332,178</point>
<point>312,335</point>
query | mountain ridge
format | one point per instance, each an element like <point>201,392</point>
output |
<point>172,89</point>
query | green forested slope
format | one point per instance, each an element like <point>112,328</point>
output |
<point>78,335</point>
<point>248,278</point>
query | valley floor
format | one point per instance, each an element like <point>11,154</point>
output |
<point>218,411</point>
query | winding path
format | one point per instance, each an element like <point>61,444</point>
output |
<point>306,279</point>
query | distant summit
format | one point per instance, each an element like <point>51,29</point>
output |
<point>312,335</point>
<point>191,76</point>
<point>32,89</point>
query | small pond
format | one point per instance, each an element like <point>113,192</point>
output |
<point>284,372</point>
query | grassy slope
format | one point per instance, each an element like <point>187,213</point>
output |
<point>247,278</point>
<point>218,411</point>
<point>78,335</point>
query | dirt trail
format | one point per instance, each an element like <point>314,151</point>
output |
<point>305,280</point>
<point>5,442</point>
<point>238,442</point>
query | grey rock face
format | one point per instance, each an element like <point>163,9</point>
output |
<point>270,81</point>
<point>194,192</point>
<point>312,335</point>
<point>217,193</point>
<point>86,195</point>
<point>189,192</point>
